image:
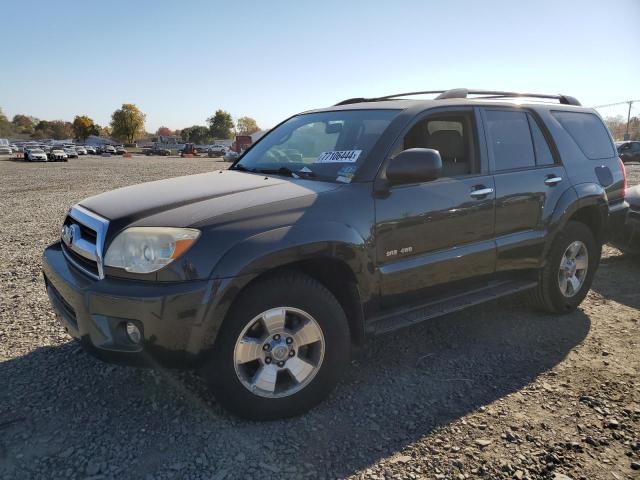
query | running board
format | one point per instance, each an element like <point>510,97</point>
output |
<point>416,314</point>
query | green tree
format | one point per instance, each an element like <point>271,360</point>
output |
<point>83,126</point>
<point>127,123</point>
<point>23,123</point>
<point>57,129</point>
<point>247,126</point>
<point>221,125</point>
<point>6,129</point>
<point>196,134</point>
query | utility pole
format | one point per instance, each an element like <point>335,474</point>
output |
<point>627,136</point>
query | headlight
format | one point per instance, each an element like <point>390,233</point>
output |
<point>147,249</point>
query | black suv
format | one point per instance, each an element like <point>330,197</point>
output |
<point>629,151</point>
<point>341,222</point>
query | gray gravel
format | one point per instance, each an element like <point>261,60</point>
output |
<point>493,392</point>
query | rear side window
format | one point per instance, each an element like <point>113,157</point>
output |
<point>510,139</point>
<point>588,132</point>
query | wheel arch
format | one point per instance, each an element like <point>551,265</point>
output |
<point>333,254</point>
<point>586,203</point>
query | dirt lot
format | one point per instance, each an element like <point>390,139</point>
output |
<point>493,392</point>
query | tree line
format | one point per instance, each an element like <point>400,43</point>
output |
<point>127,125</point>
<point>219,126</point>
<point>618,127</point>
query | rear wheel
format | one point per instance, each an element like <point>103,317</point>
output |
<point>568,274</point>
<point>280,350</point>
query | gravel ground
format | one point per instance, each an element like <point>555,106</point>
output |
<point>493,392</point>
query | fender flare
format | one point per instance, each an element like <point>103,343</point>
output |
<point>272,249</point>
<point>573,199</point>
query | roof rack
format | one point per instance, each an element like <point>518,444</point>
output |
<point>464,93</point>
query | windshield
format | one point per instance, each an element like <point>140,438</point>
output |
<point>326,145</point>
<point>36,150</point>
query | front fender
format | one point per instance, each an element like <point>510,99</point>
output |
<point>293,243</point>
<point>276,248</point>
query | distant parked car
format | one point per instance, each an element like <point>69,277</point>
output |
<point>71,152</point>
<point>230,156</point>
<point>81,150</point>
<point>216,151</point>
<point>58,155</point>
<point>90,150</point>
<point>120,150</point>
<point>5,150</point>
<point>108,149</point>
<point>165,152</point>
<point>35,155</point>
<point>629,151</point>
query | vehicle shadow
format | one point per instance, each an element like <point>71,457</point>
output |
<point>617,279</point>
<point>403,386</point>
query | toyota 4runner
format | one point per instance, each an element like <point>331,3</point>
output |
<point>341,222</point>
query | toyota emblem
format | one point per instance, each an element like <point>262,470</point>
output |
<point>70,233</point>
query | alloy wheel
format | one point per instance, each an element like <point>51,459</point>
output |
<point>573,268</point>
<point>279,352</point>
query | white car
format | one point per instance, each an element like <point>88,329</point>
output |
<point>71,152</point>
<point>35,155</point>
<point>81,150</point>
<point>58,155</point>
<point>109,149</point>
<point>90,150</point>
<point>5,150</point>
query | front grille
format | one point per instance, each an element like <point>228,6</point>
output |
<point>83,234</point>
<point>84,264</point>
<point>88,233</point>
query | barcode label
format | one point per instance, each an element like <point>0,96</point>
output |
<point>339,156</point>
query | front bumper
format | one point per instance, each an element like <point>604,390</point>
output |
<point>172,316</point>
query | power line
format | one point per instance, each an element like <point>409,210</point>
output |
<point>618,103</point>
<point>628,102</point>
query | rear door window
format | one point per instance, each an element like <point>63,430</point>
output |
<point>543,152</point>
<point>509,139</point>
<point>589,133</point>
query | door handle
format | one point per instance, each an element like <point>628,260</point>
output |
<point>553,180</point>
<point>481,192</point>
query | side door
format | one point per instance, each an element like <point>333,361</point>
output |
<point>529,180</point>
<point>434,233</point>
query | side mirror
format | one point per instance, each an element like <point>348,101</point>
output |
<point>414,165</point>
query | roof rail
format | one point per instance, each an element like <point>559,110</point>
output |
<point>464,93</point>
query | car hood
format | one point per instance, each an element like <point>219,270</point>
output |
<point>195,199</point>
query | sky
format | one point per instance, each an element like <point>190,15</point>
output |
<point>180,61</point>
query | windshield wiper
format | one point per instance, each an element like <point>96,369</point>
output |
<point>286,172</point>
<point>242,168</point>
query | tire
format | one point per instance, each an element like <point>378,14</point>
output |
<point>548,295</point>
<point>235,389</point>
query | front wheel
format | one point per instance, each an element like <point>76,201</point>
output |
<point>572,262</point>
<point>280,350</point>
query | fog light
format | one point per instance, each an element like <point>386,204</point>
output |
<point>133,332</point>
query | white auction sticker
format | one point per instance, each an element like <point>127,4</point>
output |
<point>339,156</point>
